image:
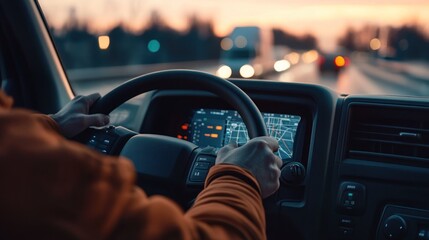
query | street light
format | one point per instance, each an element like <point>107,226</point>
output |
<point>103,42</point>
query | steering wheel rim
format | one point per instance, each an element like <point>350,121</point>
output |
<point>190,80</point>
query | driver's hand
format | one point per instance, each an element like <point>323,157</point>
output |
<point>257,156</point>
<point>73,118</point>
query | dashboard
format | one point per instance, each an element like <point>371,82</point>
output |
<point>365,158</point>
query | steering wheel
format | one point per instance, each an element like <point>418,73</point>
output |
<point>167,160</point>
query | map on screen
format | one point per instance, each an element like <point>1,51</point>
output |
<point>216,128</point>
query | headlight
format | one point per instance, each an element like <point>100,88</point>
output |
<point>247,71</point>
<point>281,65</point>
<point>224,72</point>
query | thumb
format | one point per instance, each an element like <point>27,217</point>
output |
<point>92,98</point>
<point>96,120</point>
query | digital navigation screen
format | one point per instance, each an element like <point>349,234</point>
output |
<point>216,128</point>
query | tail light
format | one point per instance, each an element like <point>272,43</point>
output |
<point>340,61</point>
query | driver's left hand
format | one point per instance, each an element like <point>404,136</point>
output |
<point>74,117</point>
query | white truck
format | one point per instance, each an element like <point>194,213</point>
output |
<point>247,52</point>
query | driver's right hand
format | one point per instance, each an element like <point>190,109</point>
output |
<point>257,156</point>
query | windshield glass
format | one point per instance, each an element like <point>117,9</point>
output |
<point>365,46</point>
<point>244,53</point>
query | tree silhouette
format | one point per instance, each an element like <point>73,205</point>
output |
<point>407,42</point>
<point>292,41</point>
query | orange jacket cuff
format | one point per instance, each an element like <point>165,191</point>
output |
<point>223,169</point>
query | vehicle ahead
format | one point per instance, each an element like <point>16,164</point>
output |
<point>355,166</point>
<point>332,62</point>
<point>247,52</point>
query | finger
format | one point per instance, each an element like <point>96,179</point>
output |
<point>278,161</point>
<point>277,173</point>
<point>96,120</point>
<point>270,142</point>
<point>223,151</point>
<point>91,99</point>
<point>273,144</point>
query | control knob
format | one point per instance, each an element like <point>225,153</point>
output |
<point>395,227</point>
<point>293,173</point>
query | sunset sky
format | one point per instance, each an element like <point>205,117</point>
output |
<point>326,19</point>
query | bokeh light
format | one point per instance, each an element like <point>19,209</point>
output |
<point>375,44</point>
<point>340,61</point>
<point>310,56</point>
<point>247,71</point>
<point>240,42</point>
<point>293,57</point>
<point>281,65</point>
<point>153,46</point>
<point>103,42</point>
<point>226,44</point>
<point>224,72</point>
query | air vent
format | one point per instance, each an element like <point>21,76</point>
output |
<point>389,134</point>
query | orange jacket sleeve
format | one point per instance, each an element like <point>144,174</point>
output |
<point>57,189</point>
<point>228,208</point>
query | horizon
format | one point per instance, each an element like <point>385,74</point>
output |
<point>327,21</point>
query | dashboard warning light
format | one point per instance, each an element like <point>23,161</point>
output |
<point>219,128</point>
<point>179,136</point>
<point>185,126</point>
<point>214,135</point>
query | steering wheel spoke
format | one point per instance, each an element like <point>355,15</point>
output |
<point>159,157</point>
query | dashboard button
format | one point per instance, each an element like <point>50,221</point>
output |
<point>423,235</point>
<point>206,158</point>
<point>103,146</point>
<point>345,232</point>
<point>198,175</point>
<point>92,143</point>
<point>346,222</point>
<point>202,165</point>
<point>351,198</point>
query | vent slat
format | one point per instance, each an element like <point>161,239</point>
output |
<point>392,142</point>
<point>394,134</point>
<point>386,156</point>
<point>366,125</point>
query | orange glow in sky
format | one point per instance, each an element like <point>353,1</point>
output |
<point>326,19</point>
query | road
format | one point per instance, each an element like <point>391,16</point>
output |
<point>363,76</point>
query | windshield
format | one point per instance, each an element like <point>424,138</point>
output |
<point>244,53</point>
<point>365,46</point>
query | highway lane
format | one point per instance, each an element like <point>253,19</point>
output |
<point>363,76</point>
<point>349,81</point>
